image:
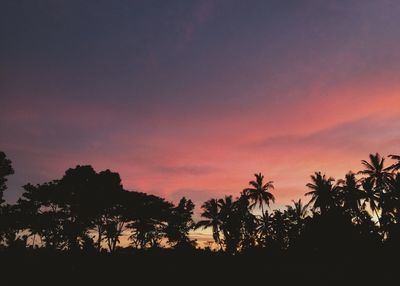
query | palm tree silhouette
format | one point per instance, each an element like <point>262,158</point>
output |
<point>323,192</point>
<point>376,170</point>
<point>298,211</point>
<point>350,193</point>
<point>371,196</point>
<point>263,228</point>
<point>211,213</point>
<point>296,215</point>
<point>378,177</point>
<point>259,193</point>
<point>395,166</point>
<point>391,199</point>
<point>230,223</point>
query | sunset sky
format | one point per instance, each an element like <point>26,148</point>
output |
<point>191,98</point>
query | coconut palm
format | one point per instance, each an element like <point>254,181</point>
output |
<point>350,194</point>
<point>376,170</point>
<point>391,199</point>
<point>231,223</point>
<point>259,192</point>
<point>371,196</point>
<point>298,212</point>
<point>211,215</point>
<point>395,166</point>
<point>323,192</point>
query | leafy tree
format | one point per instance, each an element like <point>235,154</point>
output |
<point>6,169</point>
<point>43,214</point>
<point>180,222</point>
<point>147,218</point>
<point>11,225</point>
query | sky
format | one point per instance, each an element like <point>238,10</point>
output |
<point>191,98</point>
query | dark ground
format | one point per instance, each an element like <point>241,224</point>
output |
<point>167,267</point>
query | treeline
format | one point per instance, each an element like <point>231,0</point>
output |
<point>91,211</point>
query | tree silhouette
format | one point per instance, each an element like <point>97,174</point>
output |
<point>279,229</point>
<point>6,169</point>
<point>42,207</point>
<point>231,223</point>
<point>263,229</point>
<point>211,218</point>
<point>395,166</point>
<point>259,193</point>
<point>297,214</point>
<point>323,192</point>
<point>89,211</point>
<point>180,222</point>
<point>248,223</point>
<point>350,195</point>
<point>378,176</point>
<point>147,217</point>
<point>376,171</point>
<point>391,203</point>
<point>371,196</point>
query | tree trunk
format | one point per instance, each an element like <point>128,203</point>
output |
<point>99,239</point>
<point>262,209</point>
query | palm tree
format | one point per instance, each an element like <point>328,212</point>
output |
<point>391,199</point>
<point>350,193</point>
<point>211,213</point>
<point>371,196</point>
<point>376,170</point>
<point>231,223</point>
<point>298,211</point>
<point>394,186</point>
<point>263,228</point>
<point>323,192</point>
<point>296,215</point>
<point>259,193</point>
<point>395,166</point>
<point>279,228</point>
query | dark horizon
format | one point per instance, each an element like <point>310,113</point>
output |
<point>72,228</point>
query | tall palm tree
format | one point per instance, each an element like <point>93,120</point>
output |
<point>259,192</point>
<point>211,213</point>
<point>395,166</point>
<point>323,192</point>
<point>371,196</point>
<point>376,170</point>
<point>350,193</point>
<point>231,222</point>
